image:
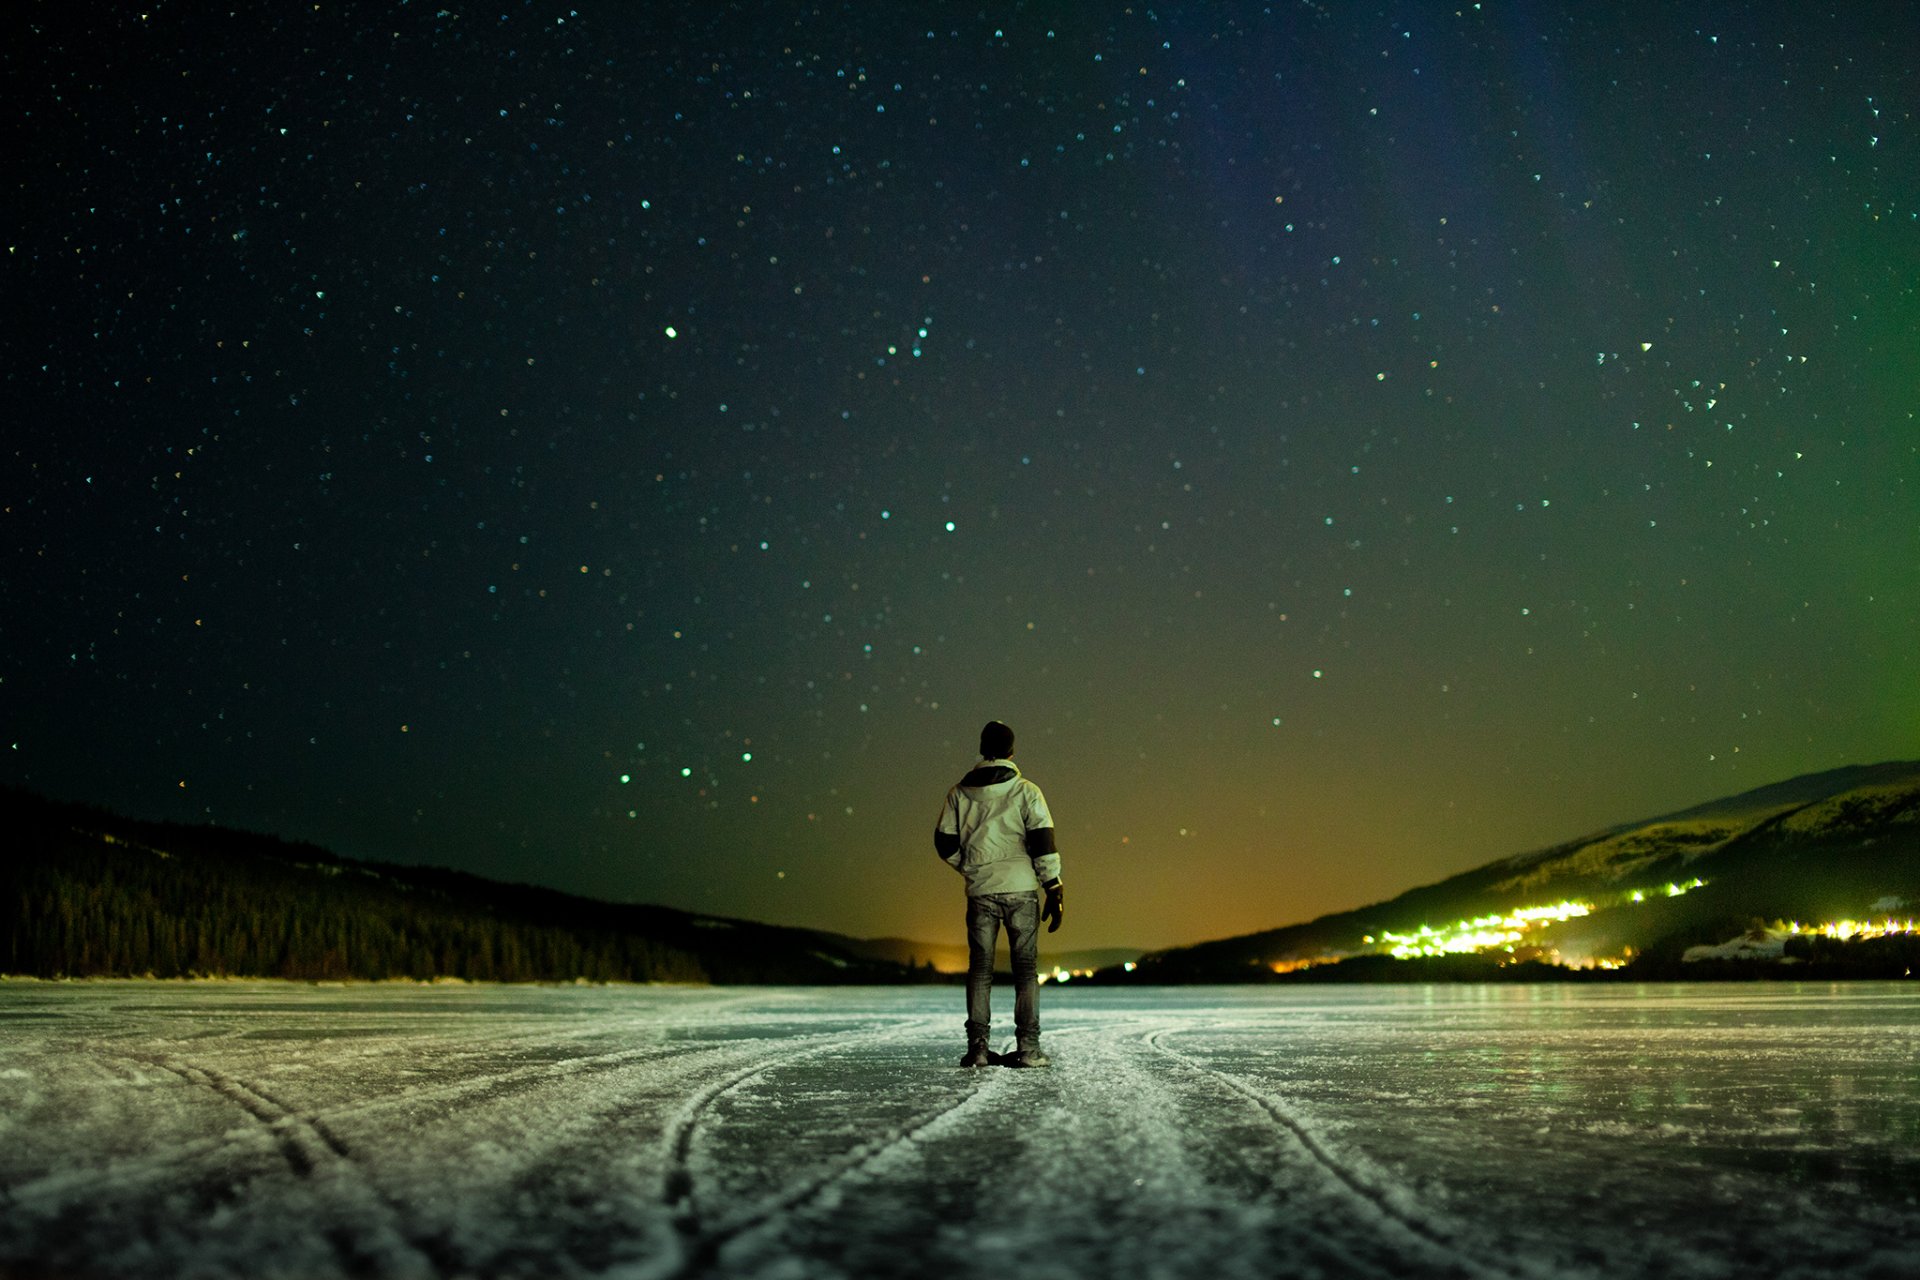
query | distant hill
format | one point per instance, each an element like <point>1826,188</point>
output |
<point>1833,846</point>
<point>951,957</point>
<point>88,893</point>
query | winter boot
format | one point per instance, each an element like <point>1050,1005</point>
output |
<point>1028,1056</point>
<point>977,1055</point>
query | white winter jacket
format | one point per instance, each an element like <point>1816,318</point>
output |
<point>996,831</point>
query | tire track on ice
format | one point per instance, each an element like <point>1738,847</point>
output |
<point>303,1140</point>
<point>1423,1227</point>
<point>499,1085</point>
<point>375,1241</point>
<point>496,1086</point>
<point>383,1232</point>
<point>700,1244</point>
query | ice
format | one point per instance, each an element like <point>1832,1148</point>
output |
<point>271,1130</point>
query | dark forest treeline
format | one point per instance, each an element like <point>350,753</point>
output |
<point>89,894</point>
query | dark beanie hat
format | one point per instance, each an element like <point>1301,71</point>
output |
<point>996,741</point>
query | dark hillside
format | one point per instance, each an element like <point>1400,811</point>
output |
<point>88,893</point>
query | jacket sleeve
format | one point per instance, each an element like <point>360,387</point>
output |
<point>947,845</point>
<point>946,834</point>
<point>1040,846</point>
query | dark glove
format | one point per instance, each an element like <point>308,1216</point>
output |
<point>1055,908</point>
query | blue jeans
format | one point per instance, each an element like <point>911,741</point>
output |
<point>1020,912</point>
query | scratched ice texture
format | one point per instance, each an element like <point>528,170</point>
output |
<point>263,1130</point>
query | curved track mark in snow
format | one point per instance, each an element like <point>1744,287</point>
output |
<point>702,1244</point>
<point>677,1188</point>
<point>1380,1201</point>
<point>493,1086</point>
<point>496,1085</point>
<point>310,1149</point>
<point>304,1143</point>
<point>272,1113</point>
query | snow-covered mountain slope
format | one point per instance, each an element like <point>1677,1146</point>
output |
<point>1827,846</point>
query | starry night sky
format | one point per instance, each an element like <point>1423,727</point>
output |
<point>633,448</point>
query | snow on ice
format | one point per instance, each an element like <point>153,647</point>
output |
<point>267,1130</point>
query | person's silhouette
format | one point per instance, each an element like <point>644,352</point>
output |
<point>995,830</point>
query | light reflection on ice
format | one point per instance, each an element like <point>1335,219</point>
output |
<point>256,1129</point>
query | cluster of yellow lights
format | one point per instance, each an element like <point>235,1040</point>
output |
<point>1503,932</point>
<point>1490,933</point>
<point>1068,975</point>
<point>1506,932</point>
<point>1886,928</point>
<point>1673,890</point>
<point>1482,934</point>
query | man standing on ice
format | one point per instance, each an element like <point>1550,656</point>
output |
<point>995,830</point>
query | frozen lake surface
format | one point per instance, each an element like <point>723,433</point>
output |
<point>266,1130</point>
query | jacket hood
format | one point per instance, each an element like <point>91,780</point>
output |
<point>989,772</point>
